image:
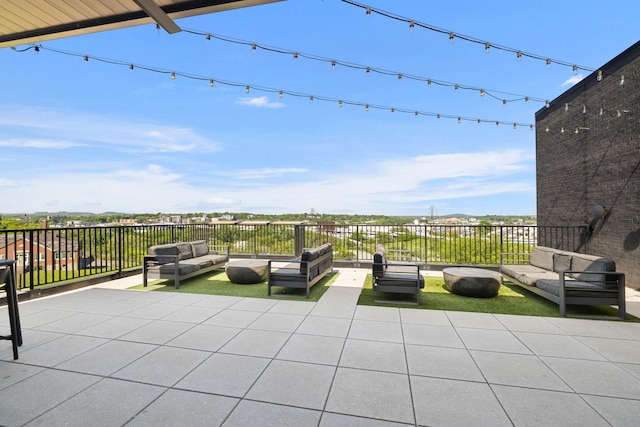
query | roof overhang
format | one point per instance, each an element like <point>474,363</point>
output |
<point>32,21</point>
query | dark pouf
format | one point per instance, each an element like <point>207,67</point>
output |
<point>247,271</point>
<point>472,282</point>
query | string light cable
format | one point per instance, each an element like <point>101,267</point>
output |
<point>369,69</point>
<point>484,43</point>
<point>280,92</point>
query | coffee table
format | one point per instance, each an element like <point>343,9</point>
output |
<point>472,282</point>
<point>247,271</point>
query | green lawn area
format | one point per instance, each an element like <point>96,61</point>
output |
<point>217,283</point>
<point>511,299</point>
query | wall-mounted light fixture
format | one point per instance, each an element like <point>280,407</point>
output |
<point>599,212</point>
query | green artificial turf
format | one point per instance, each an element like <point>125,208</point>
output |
<point>217,283</point>
<point>511,299</point>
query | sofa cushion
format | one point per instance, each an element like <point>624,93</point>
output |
<point>200,262</point>
<point>379,262</point>
<point>561,262</point>
<point>216,258</point>
<point>168,249</point>
<point>542,257</point>
<point>575,288</point>
<point>527,274</point>
<point>582,262</point>
<point>170,269</point>
<point>199,248</point>
<point>400,279</point>
<point>184,250</point>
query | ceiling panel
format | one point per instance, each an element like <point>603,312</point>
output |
<point>31,21</point>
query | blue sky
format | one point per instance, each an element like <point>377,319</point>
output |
<point>89,136</point>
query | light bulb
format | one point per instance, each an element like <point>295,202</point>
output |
<point>211,83</point>
<point>618,111</point>
<point>562,129</point>
<point>416,113</point>
<point>548,63</point>
<point>497,123</point>
<point>280,95</point>
<point>456,87</point>
<point>333,64</point>
<point>86,58</point>
<point>393,109</point>
<point>429,82</point>
<point>173,75</point>
<point>575,69</point>
<point>504,102</point>
<point>411,25</point>
<point>295,55</point>
<point>577,131</point>
<point>584,109</point>
<point>599,77</point>
<point>526,99</point>
<point>311,99</point>
<point>547,104</point>
<point>399,76</point>
<point>530,127</point>
<point>340,104</point>
<point>459,120</point>
<point>621,80</point>
<point>515,126</point>
<point>451,36</point>
<point>246,89</point>
<point>368,70</point>
<point>131,67</point>
<point>368,10</point>
<point>486,47</point>
<point>208,36</point>
<point>519,56</point>
<point>437,116</point>
<point>366,108</point>
<point>481,92</point>
<point>478,121</point>
<point>566,106</point>
<point>547,129</point>
<point>601,111</point>
<point>254,47</point>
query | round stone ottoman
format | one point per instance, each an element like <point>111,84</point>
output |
<point>247,271</point>
<point>472,282</point>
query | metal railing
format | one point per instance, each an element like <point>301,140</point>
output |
<point>52,256</point>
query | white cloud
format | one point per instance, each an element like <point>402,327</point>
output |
<point>264,173</point>
<point>76,128</point>
<point>577,78</point>
<point>37,143</point>
<point>393,186</point>
<point>261,101</point>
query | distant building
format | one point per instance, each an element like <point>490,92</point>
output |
<point>588,156</point>
<point>42,249</point>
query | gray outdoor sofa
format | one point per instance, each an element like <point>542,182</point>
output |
<point>394,277</point>
<point>567,277</point>
<point>313,265</point>
<point>182,260</point>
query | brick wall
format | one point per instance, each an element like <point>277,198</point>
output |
<point>600,164</point>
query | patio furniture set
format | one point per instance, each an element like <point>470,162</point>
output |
<point>559,276</point>
<point>183,260</point>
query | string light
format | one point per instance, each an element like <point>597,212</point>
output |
<point>86,58</point>
<point>211,82</point>
<point>519,53</point>
<point>621,80</point>
<point>333,64</point>
<point>368,69</point>
<point>366,108</point>
<point>280,95</point>
<point>295,55</point>
<point>340,104</point>
<point>481,92</point>
<point>411,26</point>
<point>599,77</point>
<point>487,45</point>
<point>131,67</point>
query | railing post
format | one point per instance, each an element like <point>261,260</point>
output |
<point>120,248</point>
<point>298,242</point>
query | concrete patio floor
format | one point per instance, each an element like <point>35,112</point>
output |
<point>108,356</point>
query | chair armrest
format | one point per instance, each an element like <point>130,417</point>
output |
<point>220,248</point>
<point>519,255</point>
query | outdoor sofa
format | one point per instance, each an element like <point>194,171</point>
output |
<point>182,260</point>
<point>313,265</point>
<point>567,277</point>
<point>394,277</point>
